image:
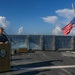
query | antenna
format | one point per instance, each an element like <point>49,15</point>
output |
<point>73,9</point>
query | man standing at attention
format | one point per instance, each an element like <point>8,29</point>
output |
<point>3,38</point>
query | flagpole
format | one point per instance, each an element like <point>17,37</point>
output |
<point>73,9</point>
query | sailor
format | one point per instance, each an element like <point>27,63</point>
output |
<point>3,37</point>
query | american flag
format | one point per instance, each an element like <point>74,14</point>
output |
<point>66,30</point>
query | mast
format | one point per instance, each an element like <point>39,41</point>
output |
<point>73,9</point>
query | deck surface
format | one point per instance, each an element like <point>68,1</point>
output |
<point>42,63</point>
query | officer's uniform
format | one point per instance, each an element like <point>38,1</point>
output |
<point>3,38</point>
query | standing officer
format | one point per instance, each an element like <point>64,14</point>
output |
<point>3,37</point>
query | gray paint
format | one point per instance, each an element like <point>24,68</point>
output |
<point>44,42</point>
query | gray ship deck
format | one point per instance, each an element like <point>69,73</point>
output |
<point>42,63</point>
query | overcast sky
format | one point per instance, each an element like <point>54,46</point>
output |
<point>36,16</point>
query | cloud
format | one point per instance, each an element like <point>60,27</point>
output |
<point>20,30</point>
<point>57,31</point>
<point>3,22</point>
<point>35,33</point>
<point>72,31</point>
<point>64,16</point>
<point>50,19</point>
<point>65,13</point>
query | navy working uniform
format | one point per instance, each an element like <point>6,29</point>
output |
<point>3,38</point>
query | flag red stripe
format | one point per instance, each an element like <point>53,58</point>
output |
<point>67,29</point>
